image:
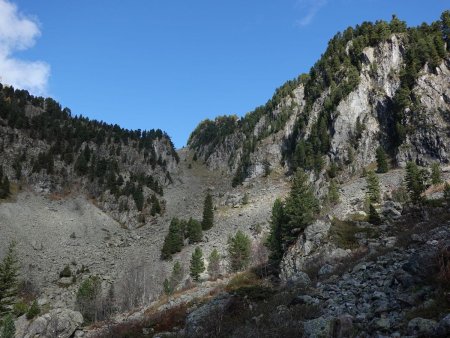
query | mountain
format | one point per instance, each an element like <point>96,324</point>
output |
<point>47,148</point>
<point>377,84</point>
<point>102,217</point>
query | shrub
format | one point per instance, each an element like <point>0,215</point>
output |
<point>214,264</point>
<point>239,250</point>
<point>176,277</point>
<point>333,193</point>
<point>20,308</point>
<point>436,173</point>
<point>9,271</point>
<point>88,298</point>
<point>66,272</point>
<point>244,279</point>
<point>374,217</point>
<point>9,329</point>
<point>33,311</point>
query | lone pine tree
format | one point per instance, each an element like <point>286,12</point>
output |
<point>194,231</point>
<point>415,182</point>
<point>208,213</point>
<point>239,251</point>
<point>301,207</point>
<point>373,187</point>
<point>174,240</point>
<point>382,164</point>
<point>9,271</point>
<point>197,264</point>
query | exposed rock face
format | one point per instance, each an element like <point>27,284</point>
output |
<point>370,103</point>
<point>61,323</point>
<point>429,140</point>
<point>311,246</point>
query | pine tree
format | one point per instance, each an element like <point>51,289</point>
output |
<point>374,217</point>
<point>436,173</point>
<point>239,250</point>
<point>333,193</point>
<point>208,213</point>
<point>275,239</point>
<point>138,197</point>
<point>194,230</point>
<point>9,328</point>
<point>382,164</point>
<point>176,277</point>
<point>197,264</point>
<point>214,264</point>
<point>415,182</point>
<point>167,288</point>
<point>174,240</point>
<point>373,187</point>
<point>156,206</point>
<point>301,207</point>
<point>81,165</point>
<point>9,271</point>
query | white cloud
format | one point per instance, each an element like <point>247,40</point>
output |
<point>310,9</point>
<point>18,32</point>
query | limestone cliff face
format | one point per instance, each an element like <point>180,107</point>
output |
<point>369,104</point>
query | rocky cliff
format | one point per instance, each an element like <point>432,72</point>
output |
<point>347,120</point>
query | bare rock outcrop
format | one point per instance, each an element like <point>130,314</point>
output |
<point>61,323</point>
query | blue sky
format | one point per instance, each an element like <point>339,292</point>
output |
<point>170,64</point>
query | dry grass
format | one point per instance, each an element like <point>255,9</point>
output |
<point>435,188</point>
<point>243,279</point>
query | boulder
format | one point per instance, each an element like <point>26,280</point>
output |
<point>300,279</point>
<point>325,270</point>
<point>319,328</point>
<point>422,327</point>
<point>199,320</point>
<point>443,329</point>
<point>61,323</point>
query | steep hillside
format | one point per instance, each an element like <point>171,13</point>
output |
<point>379,84</point>
<point>44,146</point>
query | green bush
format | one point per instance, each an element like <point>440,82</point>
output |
<point>9,329</point>
<point>20,308</point>
<point>33,311</point>
<point>239,250</point>
<point>66,272</point>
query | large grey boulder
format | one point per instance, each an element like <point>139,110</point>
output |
<point>422,327</point>
<point>444,326</point>
<point>201,319</point>
<point>319,328</point>
<point>60,323</point>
